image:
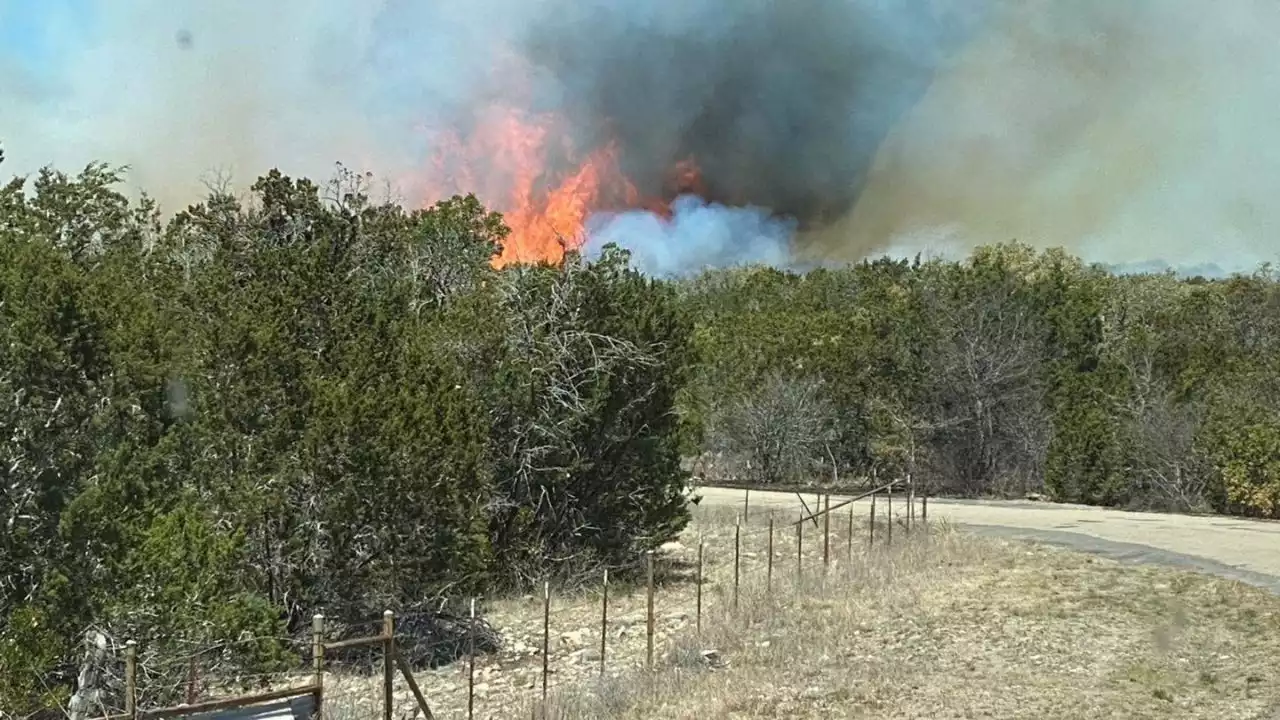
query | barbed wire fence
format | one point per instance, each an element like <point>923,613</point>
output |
<point>445,664</point>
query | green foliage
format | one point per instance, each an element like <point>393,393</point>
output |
<point>584,411</point>
<point>305,401</point>
<point>1012,372</point>
<point>1249,459</point>
<point>185,575</point>
<point>31,649</point>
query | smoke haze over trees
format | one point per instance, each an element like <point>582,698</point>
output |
<point>304,399</point>
<point>1125,132</point>
<point>290,396</point>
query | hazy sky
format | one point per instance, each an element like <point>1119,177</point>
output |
<point>35,35</point>
<point>1123,130</point>
<point>260,84</point>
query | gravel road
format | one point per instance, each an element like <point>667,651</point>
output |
<point>1235,548</point>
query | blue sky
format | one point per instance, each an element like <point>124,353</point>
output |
<point>34,34</point>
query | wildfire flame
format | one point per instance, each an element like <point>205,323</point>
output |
<point>526,166</point>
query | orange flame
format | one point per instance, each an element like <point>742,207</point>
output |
<point>526,166</point>
<point>507,160</point>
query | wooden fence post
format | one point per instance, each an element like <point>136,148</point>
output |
<point>317,659</point>
<point>746,504</point>
<point>388,660</point>
<point>698,610</point>
<point>604,619</point>
<point>924,509</point>
<point>871,533</point>
<point>421,699</point>
<point>546,640</point>
<point>131,678</point>
<point>799,551</point>
<point>649,615</point>
<point>911,490</point>
<point>826,532</point>
<point>737,551</point>
<point>888,516</point>
<point>849,535</point>
<point>471,661</point>
<point>768,572</point>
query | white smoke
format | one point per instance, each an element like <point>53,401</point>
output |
<point>698,235</point>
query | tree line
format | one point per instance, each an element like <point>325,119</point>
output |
<point>303,399</point>
<point>1010,373</point>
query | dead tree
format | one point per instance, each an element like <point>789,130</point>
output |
<point>778,433</point>
<point>987,360</point>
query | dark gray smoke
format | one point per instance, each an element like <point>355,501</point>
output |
<point>781,104</point>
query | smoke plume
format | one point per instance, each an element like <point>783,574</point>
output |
<point>697,236</point>
<point>824,129</point>
<point>781,104</point>
<point>1124,131</point>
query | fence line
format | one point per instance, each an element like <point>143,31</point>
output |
<point>312,682</point>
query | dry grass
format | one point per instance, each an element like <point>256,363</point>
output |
<point>942,625</point>
<point>955,626</point>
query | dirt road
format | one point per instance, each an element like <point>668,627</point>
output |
<point>1245,550</point>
